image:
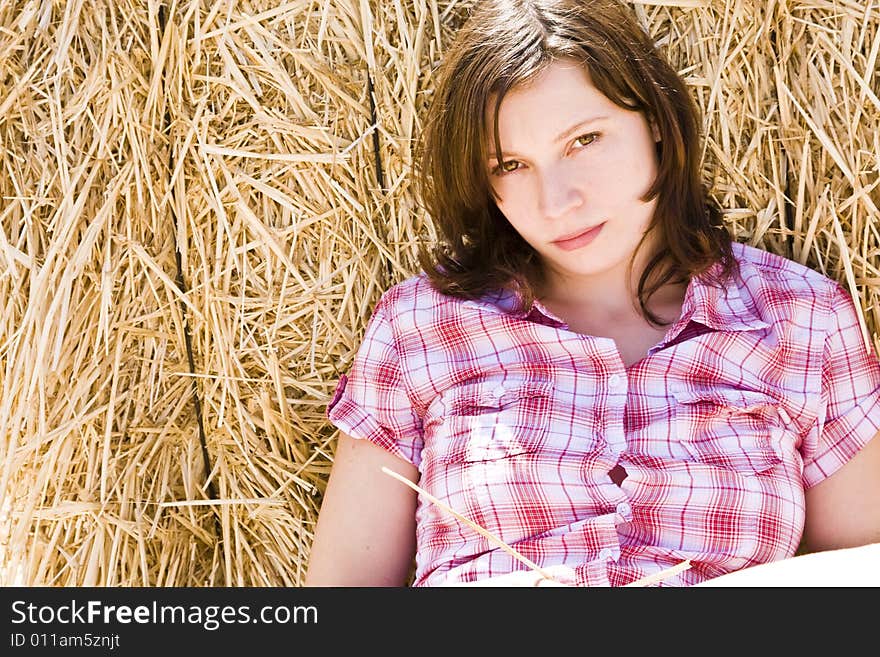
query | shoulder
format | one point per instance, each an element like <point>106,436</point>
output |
<point>778,284</point>
<point>773,269</point>
<point>412,294</point>
<point>416,304</point>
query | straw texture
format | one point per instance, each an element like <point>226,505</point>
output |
<point>202,201</point>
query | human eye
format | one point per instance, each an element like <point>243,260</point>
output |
<point>585,140</point>
<point>508,166</point>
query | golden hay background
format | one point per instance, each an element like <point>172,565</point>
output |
<point>200,207</point>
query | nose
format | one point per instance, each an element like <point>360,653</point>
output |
<point>558,194</point>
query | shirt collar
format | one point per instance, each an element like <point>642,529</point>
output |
<point>718,306</point>
<point>509,302</point>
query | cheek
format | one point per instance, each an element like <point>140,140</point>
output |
<point>629,177</point>
<point>518,218</point>
<point>509,199</point>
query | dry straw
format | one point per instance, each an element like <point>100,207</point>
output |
<point>201,203</point>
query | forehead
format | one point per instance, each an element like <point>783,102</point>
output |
<point>560,94</point>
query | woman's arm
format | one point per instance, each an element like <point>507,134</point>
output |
<point>365,534</point>
<point>844,510</point>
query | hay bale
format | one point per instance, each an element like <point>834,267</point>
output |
<point>203,202</point>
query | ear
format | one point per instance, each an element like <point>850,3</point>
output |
<point>655,131</point>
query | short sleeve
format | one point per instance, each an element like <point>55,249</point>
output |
<point>371,401</point>
<point>850,393</point>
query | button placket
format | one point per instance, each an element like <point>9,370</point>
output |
<point>616,405</point>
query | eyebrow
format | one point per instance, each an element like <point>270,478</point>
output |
<point>565,134</point>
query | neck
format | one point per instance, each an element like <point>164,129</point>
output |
<point>610,295</point>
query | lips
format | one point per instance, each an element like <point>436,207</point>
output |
<point>579,240</point>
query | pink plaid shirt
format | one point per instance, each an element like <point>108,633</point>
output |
<point>762,388</point>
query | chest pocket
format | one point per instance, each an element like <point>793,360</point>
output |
<point>728,428</point>
<point>491,421</point>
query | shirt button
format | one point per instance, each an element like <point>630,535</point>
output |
<point>605,554</point>
<point>614,381</point>
<point>498,393</point>
<point>624,509</point>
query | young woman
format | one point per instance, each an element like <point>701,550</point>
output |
<point>588,369</point>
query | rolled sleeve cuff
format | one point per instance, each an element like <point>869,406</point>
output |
<point>843,439</point>
<point>351,419</point>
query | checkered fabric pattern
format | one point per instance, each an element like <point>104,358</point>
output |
<point>762,388</point>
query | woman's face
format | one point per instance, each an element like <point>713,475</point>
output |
<point>574,169</point>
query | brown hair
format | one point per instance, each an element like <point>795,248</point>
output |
<point>505,43</point>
